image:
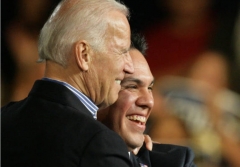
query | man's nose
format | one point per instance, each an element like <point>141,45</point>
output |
<point>146,100</point>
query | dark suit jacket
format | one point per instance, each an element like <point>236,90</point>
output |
<point>165,155</point>
<point>52,128</point>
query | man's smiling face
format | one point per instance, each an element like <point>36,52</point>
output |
<point>128,115</point>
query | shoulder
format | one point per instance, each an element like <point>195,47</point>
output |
<point>178,154</point>
<point>106,146</point>
<point>80,136</point>
<point>168,148</point>
<point>168,155</point>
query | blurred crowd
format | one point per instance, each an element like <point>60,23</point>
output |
<point>22,21</point>
<point>194,55</point>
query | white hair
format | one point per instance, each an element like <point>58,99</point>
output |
<point>74,20</point>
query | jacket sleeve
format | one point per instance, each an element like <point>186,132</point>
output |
<point>167,155</point>
<point>173,155</point>
<point>189,161</point>
<point>110,150</point>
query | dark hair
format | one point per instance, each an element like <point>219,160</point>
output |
<point>138,42</point>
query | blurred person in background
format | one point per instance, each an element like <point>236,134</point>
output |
<point>211,79</point>
<point>236,43</point>
<point>205,108</point>
<point>169,129</point>
<point>20,33</point>
<point>176,40</point>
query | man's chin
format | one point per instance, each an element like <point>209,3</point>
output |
<point>135,144</point>
<point>113,98</point>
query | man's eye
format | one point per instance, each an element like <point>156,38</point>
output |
<point>125,53</point>
<point>131,87</point>
<point>150,88</point>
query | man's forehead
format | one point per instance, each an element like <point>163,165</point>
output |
<point>119,30</point>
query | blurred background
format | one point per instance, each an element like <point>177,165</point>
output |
<point>193,53</point>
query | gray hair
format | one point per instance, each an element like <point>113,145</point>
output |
<point>74,20</point>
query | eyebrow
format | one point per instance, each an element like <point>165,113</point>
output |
<point>138,81</point>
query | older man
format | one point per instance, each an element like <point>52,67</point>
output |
<point>86,48</point>
<point>128,116</point>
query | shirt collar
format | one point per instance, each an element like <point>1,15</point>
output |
<point>83,98</point>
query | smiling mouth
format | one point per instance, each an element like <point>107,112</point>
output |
<point>118,81</point>
<point>137,118</point>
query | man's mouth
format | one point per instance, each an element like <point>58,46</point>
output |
<point>118,81</point>
<point>137,119</point>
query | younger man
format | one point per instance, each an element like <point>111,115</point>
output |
<point>128,115</point>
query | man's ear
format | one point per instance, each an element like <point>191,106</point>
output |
<point>82,54</point>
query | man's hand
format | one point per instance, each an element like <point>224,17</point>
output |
<point>148,144</point>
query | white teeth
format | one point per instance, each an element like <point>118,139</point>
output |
<point>118,81</point>
<point>138,118</point>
